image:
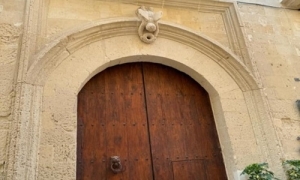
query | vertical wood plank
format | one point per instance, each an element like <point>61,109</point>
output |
<point>89,126</point>
<point>157,109</point>
<point>192,170</point>
<point>111,107</point>
<point>188,133</point>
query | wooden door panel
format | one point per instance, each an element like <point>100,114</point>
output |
<point>157,108</point>
<point>112,121</point>
<point>88,157</point>
<point>182,124</point>
<point>158,120</point>
<point>159,142</point>
<point>191,170</point>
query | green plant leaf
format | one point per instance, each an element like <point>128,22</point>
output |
<point>258,171</point>
<point>292,168</point>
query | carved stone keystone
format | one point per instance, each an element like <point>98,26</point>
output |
<point>148,29</point>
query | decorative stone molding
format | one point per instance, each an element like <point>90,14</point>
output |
<point>293,4</point>
<point>77,39</point>
<point>228,11</point>
<point>148,29</point>
<point>22,151</point>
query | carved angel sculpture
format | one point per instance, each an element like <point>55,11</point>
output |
<point>148,29</point>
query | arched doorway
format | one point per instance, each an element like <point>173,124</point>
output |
<point>156,119</point>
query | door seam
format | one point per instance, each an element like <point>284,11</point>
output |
<point>148,124</point>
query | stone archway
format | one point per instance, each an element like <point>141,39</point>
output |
<point>46,112</point>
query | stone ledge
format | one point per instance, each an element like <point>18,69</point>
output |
<point>293,4</point>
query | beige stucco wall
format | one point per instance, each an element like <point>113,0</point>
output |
<point>269,48</point>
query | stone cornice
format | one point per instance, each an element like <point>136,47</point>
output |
<point>192,4</point>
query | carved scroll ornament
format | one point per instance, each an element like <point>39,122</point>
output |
<point>148,29</point>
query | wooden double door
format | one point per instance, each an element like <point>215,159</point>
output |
<point>157,120</point>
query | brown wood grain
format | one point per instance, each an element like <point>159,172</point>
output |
<point>189,169</point>
<point>157,119</point>
<point>112,110</point>
<point>184,127</point>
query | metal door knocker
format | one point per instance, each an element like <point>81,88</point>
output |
<point>115,164</point>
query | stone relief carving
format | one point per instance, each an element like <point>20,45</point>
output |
<point>148,29</point>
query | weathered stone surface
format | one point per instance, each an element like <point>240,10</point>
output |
<point>275,54</point>
<point>64,153</point>
<point>5,105</point>
<point>11,18</point>
<point>293,4</point>
<point>3,139</point>
<point>7,29</point>
<point>3,146</point>
<point>255,123</point>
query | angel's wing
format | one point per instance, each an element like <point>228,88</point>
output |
<point>143,13</point>
<point>157,16</point>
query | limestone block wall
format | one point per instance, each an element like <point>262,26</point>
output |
<point>11,19</point>
<point>272,35</point>
<point>61,16</point>
<point>273,40</point>
<point>268,46</point>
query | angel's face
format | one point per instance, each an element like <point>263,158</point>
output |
<point>151,27</point>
